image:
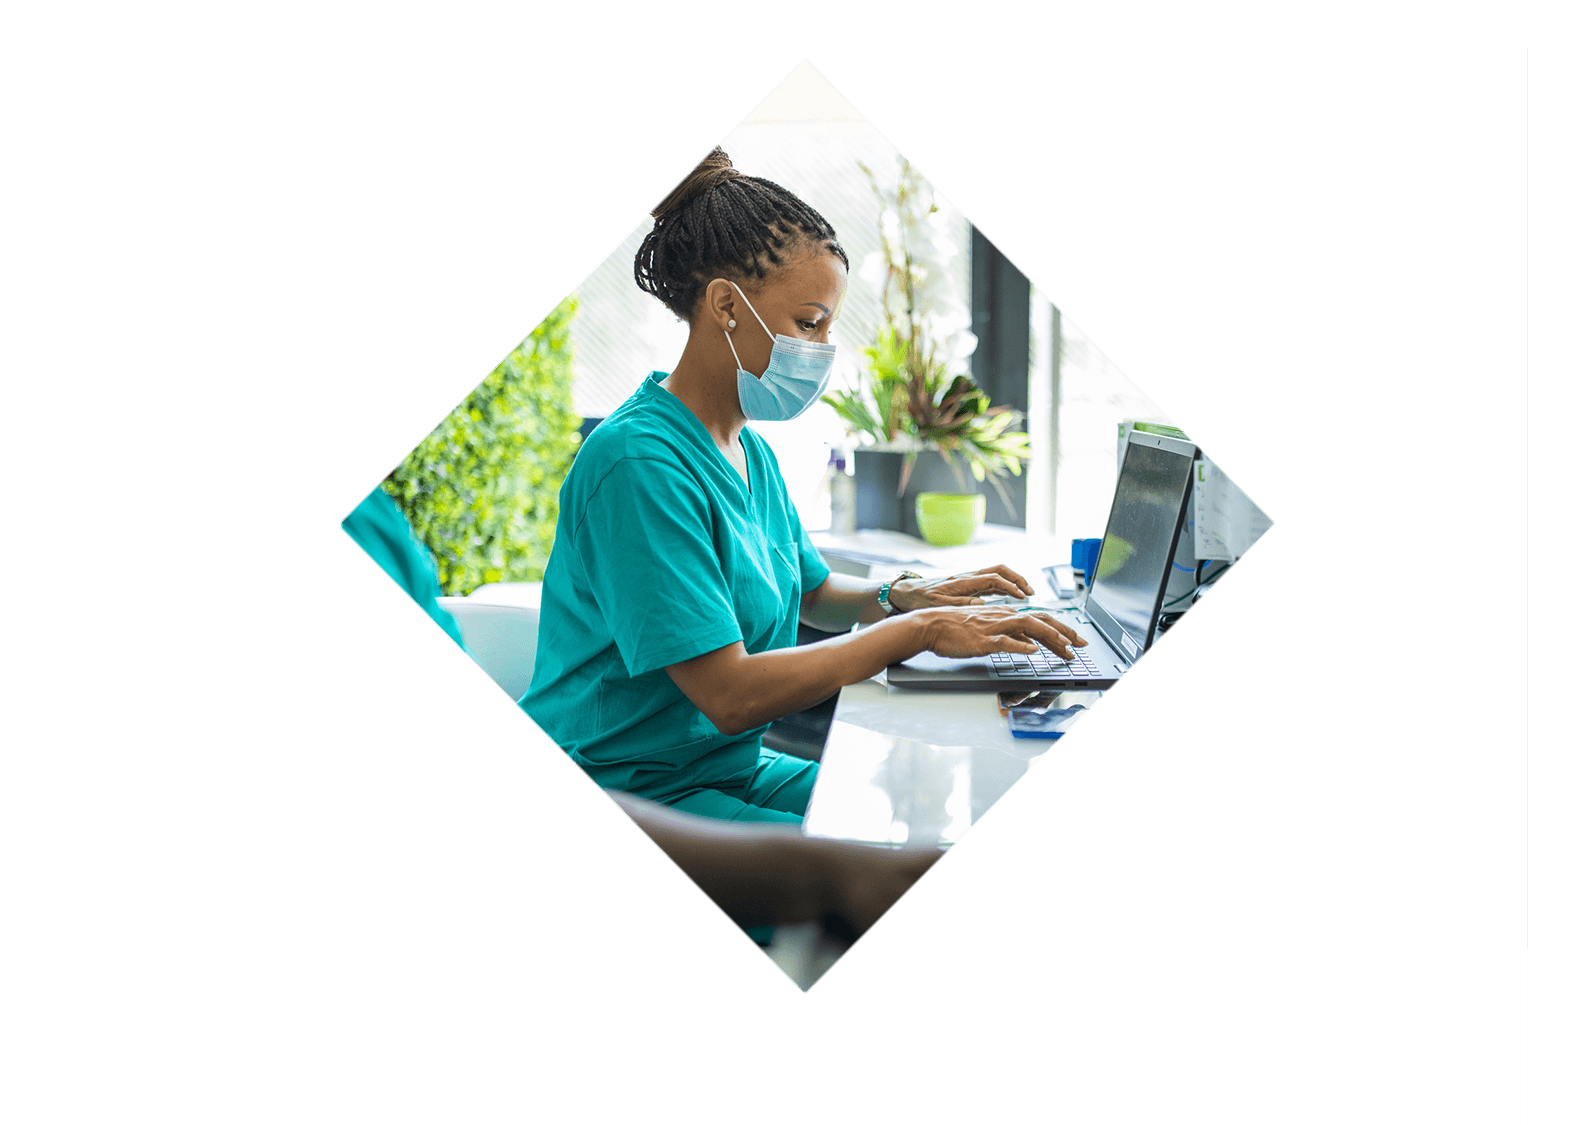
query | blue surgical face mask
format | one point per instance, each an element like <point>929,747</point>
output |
<point>796,375</point>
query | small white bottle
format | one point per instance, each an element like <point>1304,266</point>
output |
<point>841,495</point>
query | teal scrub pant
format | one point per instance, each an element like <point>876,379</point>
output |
<point>778,790</point>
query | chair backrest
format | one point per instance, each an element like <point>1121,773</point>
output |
<point>500,633</point>
<point>509,593</point>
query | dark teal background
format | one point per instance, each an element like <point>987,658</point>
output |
<point>278,852</point>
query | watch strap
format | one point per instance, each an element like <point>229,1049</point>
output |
<point>887,588</point>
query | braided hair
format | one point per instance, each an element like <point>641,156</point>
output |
<point>720,222</point>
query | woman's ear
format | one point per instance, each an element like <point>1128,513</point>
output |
<point>719,303</point>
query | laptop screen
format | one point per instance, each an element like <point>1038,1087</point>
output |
<point>1137,545</point>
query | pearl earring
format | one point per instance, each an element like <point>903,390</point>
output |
<point>731,324</point>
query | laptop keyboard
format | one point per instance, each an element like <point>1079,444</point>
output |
<point>1043,665</point>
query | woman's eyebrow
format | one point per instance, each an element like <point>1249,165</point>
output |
<point>825,310</point>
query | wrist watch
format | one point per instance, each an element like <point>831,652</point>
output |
<point>882,594</point>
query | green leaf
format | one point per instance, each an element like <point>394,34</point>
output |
<point>481,490</point>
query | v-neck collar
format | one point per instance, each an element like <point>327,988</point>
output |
<point>704,436</point>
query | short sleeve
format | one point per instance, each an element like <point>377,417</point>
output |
<point>814,570</point>
<point>645,543</point>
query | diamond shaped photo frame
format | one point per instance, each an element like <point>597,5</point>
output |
<point>810,602</point>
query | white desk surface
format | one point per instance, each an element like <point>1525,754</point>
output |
<point>904,765</point>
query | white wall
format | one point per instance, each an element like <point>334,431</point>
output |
<point>1094,397</point>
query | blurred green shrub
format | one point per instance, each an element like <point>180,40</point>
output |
<point>481,490</point>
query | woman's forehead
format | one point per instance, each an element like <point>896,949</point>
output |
<point>812,275</point>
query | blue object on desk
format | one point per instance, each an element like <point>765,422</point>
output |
<point>1035,734</point>
<point>1042,722</point>
<point>1084,556</point>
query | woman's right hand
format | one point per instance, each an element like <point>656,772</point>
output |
<point>962,631</point>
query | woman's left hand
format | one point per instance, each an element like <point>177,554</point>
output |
<point>960,589</point>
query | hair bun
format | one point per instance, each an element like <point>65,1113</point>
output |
<point>715,169</point>
<point>738,233</point>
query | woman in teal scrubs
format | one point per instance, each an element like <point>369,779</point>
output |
<point>379,526</point>
<point>680,571</point>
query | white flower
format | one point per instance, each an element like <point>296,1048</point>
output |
<point>919,233</point>
<point>874,269</point>
<point>929,240</point>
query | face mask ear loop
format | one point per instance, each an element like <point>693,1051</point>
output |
<point>753,312</point>
<point>730,340</point>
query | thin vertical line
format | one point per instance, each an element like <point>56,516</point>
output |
<point>1528,446</point>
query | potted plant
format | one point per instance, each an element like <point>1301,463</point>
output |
<point>917,395</point>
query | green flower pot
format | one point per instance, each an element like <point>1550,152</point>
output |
<point>950,519</point>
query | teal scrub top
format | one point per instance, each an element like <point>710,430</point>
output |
<point>379,526</point>
<point>662,554</point>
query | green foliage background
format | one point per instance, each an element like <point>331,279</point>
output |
<point>481,490</point>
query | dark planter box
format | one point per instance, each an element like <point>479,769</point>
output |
<point>878,503</point>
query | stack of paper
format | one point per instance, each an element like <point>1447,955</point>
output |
<point>1224,522</point>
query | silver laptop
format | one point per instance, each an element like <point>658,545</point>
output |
<point>1123,604</point>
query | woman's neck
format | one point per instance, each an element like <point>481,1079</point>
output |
<point>706,380</point>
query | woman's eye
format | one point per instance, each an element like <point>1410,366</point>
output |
<point>806,325</point>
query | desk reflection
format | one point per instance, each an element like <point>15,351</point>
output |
<point>886,789</point>
<point>915,767</point>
